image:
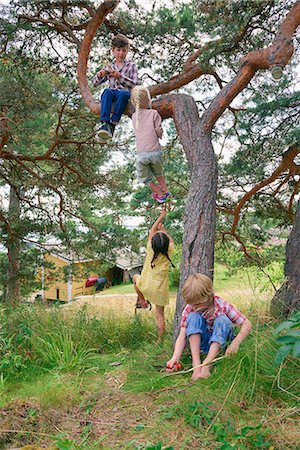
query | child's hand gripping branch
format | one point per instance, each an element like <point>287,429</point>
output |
<point>207,323</point>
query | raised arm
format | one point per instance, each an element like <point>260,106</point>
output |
<point>155,226</point>
<point>162,228</point>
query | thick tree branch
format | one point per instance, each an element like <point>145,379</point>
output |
<point>7,226</point>
<point>5,132</point>
<point>105,8</point>
<point>56,25</point>
<point>286,164</point>
<point>279,53</point>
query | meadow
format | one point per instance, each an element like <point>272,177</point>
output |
<point>90,375</point>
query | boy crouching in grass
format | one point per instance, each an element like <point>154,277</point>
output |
<point>207,323</point>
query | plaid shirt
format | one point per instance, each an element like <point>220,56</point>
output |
<point>127,80</point>
<point>220,307</point>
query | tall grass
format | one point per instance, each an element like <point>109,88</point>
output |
<point>60,352</point>
<point>34,340</point>
<point>253,371</point>
<point>239,407</point>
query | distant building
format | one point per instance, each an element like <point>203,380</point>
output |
<point>70,277</point>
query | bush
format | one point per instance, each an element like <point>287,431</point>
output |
<point>288,336</point>
<point>175,272</point>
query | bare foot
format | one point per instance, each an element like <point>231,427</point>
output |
<point>196,373</point>
<point>205,372</point>
<point>201,372</point>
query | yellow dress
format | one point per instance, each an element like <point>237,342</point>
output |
<point>154,283</point>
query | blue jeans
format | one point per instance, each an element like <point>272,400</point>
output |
<point>222,330</point>
<point>120,99</point>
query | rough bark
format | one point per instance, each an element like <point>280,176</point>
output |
<point>12,291</point>
<point>287,298</point>
<point>200,217</point>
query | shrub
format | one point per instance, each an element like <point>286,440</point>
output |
<point>288,336</point>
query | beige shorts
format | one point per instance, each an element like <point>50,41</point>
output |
<point>149,165</point>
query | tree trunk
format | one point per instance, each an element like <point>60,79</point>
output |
<point>287,298</point>
<point>200,217</point>
<point>12,291</point>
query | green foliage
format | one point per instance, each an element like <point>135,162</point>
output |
<point>174,273</point>
<point>288,337</point>
<point>34,341</point>
<point>11,362</point>
<point>149,446</point>
<point>265,268</point>
<point>14,350</point>
<point>229,256</point>
<point>60,352</point>
<point>31,259</point>
<point>224,412</point>
<point>202,416</point>
<point>63,443</point>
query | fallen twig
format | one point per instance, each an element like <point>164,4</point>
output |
<point>192,368</point>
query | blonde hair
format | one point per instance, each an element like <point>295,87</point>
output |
<point>198,288</point>
<point>141,99</point>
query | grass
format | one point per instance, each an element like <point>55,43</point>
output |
<point>247,280</point>
<point>92,376</point>
<point>223,279</point>
<point>130,404</point>
<point>121,289</point>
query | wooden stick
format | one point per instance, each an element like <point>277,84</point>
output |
<point>199,365</point>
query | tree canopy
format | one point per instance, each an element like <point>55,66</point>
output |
<point>222,53</point>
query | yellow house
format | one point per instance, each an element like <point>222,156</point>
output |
<point>67,277</point>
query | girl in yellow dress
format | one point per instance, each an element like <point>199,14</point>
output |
<point>153,283</point>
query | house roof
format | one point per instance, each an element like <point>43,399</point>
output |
<point>128,260</point>
<point>125,258</point>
